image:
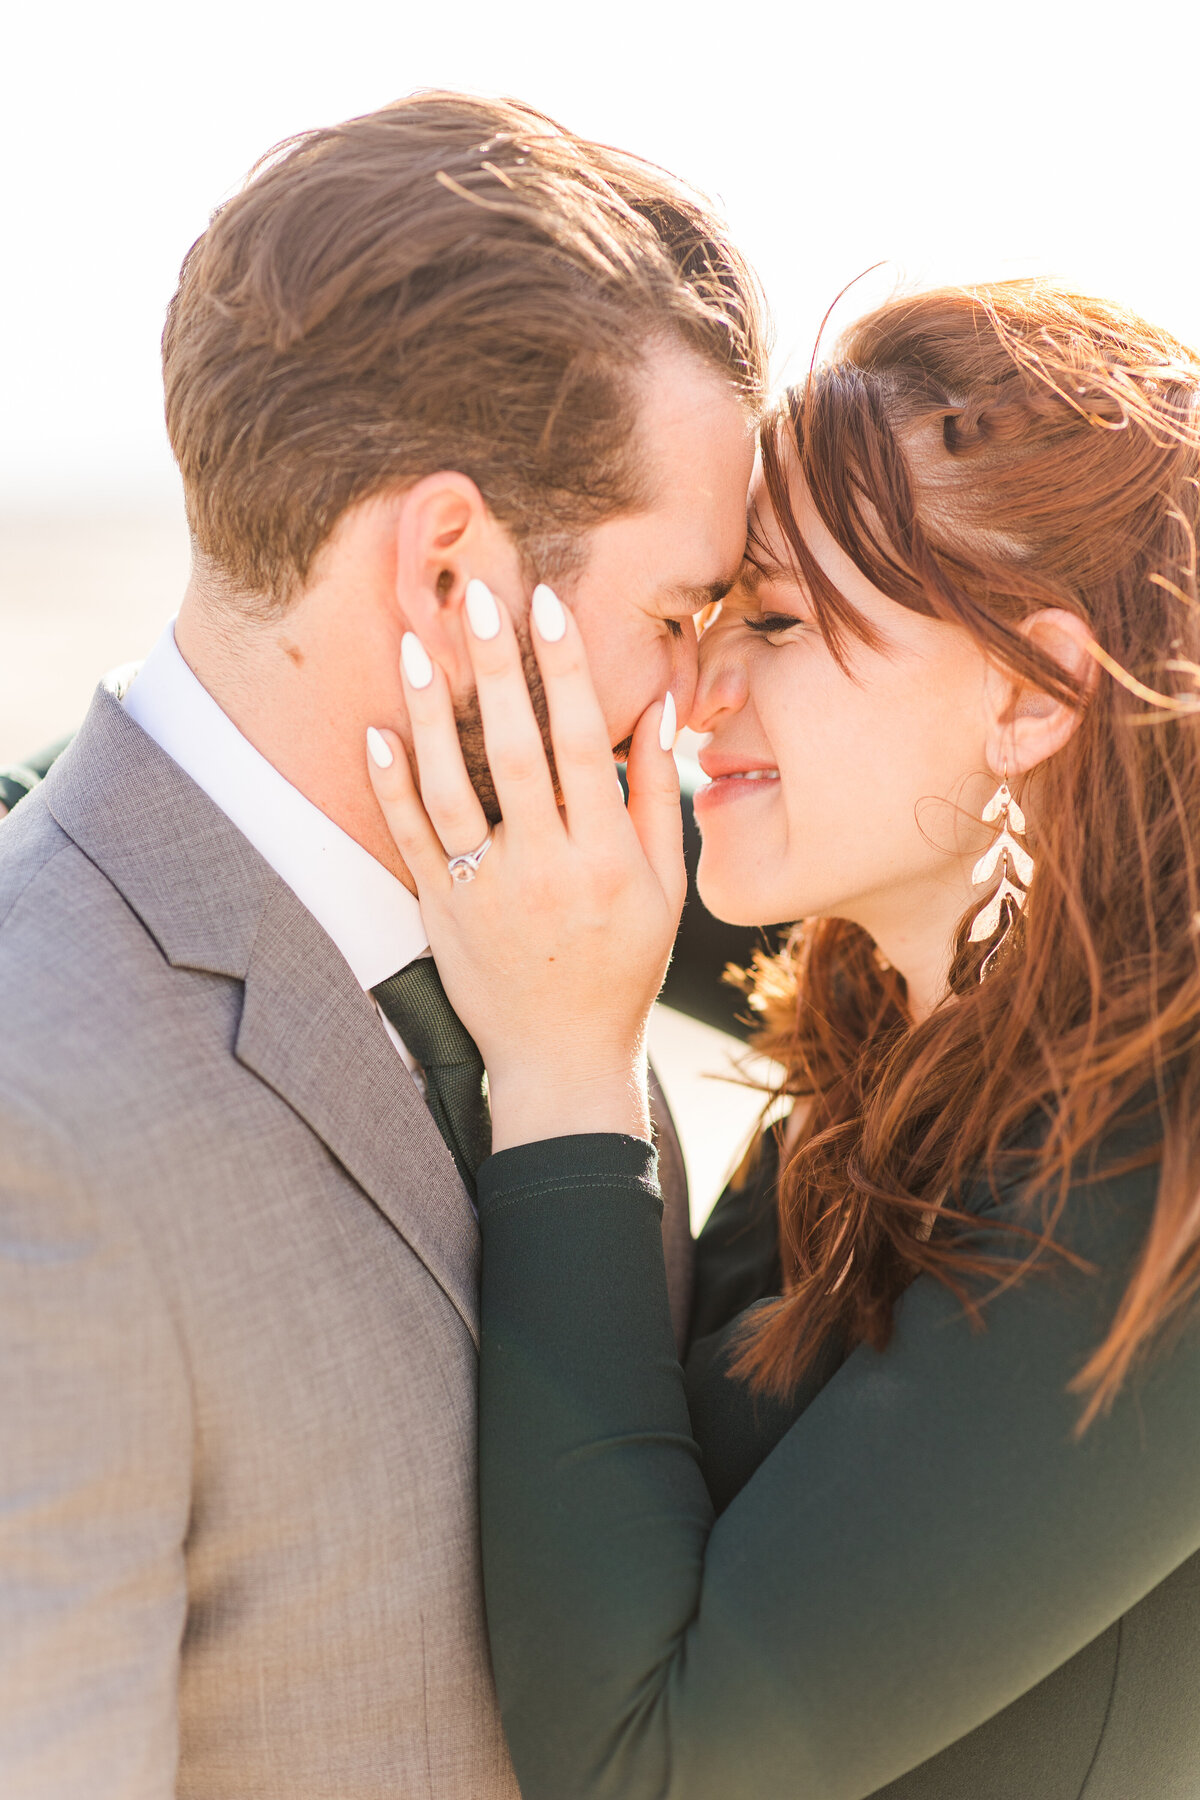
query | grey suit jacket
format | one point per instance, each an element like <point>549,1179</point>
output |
<point>238,1541</point>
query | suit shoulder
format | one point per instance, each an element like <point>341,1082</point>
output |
<point>70,948</point>
<point>30,841</point>
<point>57,909</point>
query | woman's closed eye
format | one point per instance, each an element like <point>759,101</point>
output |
<point>772,624</point>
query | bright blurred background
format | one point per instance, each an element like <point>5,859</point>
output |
<point>946,141</point>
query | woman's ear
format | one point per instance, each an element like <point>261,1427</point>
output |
<point>1026,725</point>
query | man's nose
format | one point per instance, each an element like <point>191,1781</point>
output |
<point>684,670</point>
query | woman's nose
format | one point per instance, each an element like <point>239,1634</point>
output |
<point>721,685</point>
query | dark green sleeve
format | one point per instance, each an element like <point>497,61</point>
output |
<point>927,1542</point>
<point>21,778</point>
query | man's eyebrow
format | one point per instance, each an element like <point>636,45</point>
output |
<point>692,595</point>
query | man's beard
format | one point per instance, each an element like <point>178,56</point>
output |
<point>469,721</point>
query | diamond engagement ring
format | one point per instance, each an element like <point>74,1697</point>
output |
<point>466,867</point>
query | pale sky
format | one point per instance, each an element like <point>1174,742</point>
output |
<point>952,141</point>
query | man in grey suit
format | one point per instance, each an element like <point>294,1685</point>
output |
<point>239,1126</point>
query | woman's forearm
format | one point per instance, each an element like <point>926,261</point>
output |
<point>609,1438</point>
<point>551,1102</point>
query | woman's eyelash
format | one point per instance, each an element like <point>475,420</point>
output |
<point>674,627</point>
<point>770,622</point>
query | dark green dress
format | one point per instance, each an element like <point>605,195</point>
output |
<point>913,1581</point>
<point>22,778</point>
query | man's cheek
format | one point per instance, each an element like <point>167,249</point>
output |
<point>630,670</point>
<point>619,706</point>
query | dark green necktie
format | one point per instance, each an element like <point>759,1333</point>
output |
<point>415,1002</point>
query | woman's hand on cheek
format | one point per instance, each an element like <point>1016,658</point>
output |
<point>554,953</point>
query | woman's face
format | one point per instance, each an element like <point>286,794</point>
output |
<point>852,794</point>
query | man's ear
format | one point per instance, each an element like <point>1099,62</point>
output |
<point>443,535</point>
<point>1026,725</point>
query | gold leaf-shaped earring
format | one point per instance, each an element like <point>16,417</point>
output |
<point>1015,867</point>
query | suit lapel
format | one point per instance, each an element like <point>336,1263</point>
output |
<point>307,1029</point>
<point>311,1034</point>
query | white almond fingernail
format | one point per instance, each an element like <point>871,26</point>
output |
<point>377,747</point>
<point>667,727</point>
<point>415,658</point>
<point>482,611</point>
<point>548,614</point>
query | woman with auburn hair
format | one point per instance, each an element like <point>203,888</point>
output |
<point>921,1516</point>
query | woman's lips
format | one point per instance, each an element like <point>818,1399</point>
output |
<point>736,785</point>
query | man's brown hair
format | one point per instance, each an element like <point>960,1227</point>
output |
<point>449,282</point>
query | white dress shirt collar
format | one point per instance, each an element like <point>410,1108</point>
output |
<point>370,915</point>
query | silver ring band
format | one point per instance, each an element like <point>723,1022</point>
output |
<point>466,867</point>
